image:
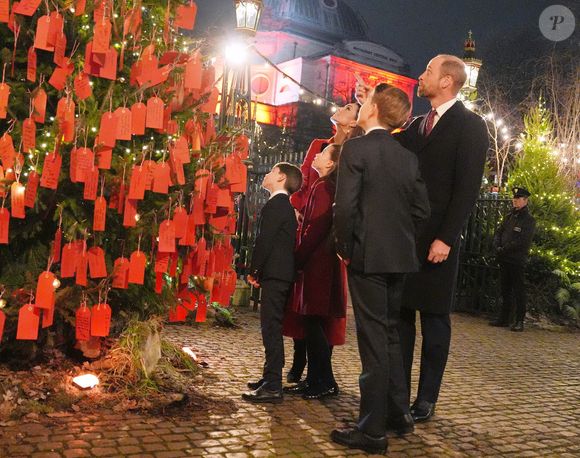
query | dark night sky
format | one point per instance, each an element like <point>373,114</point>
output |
<point>420,29</point>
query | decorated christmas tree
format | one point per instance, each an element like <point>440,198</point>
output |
<point>555,255</point>
<point>117,195</point>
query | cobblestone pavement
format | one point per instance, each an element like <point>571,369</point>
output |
<point>504,394</point>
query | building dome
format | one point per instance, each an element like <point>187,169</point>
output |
<point>324,20</point>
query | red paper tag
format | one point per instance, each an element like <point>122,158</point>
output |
<point>211,199</point>
<point>201,313</point>
<point>57,245</point>
<point>4,226</point>
<point>137,267</point>
<point>104,157</point>
<point>65,113</point>
<point>51,171</point>
<point>123,121</point>
<point>162,262</point>
<point>91,184</point>
<point>155,109</point>
<point>45,290</point>
<point>121,273</point>
<point>130,213</point>
<point>198,211</point>
<point>17,191</point>
<point>68,265</point>
<point>83,323</point>
<point>193,72</point>
<point>26,7</point>
<point>181,150</point>
<point>59,50</point>
<point>47,318</point>
<point>161,178</point>
<point>82,267</point>
<point>84,160</point>
<point>189,237</point>
<point>149,167</point>
<point>108,130</point>
<point>4,94</point>
<point>82,86</point>
<point>80,6</point>
<point>180,222</point>
<point>177,168</point>
<point>55,28</point>
<point>185,16</point>
<point>31,64</point>
<point>100,214</point>
<point>109,67</point>
<point>28,134</point>
<point>7,152</point>
<point>177,314</point>
<point>39,105</point>
<point>100,320</point>
<point>97,265</point>
<point>167,236</point>
<point>28,322</point>
<point>41,36</point>
<point>102,36</point>
<point>138,117</point>
<point>58,78</point>
<point>31,189</point>
<point>202,178</point>
<point>137,183</point>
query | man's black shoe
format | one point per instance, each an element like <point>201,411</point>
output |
<point>263,395</point>
<point>401,425</point>
<point>293,376</point>
<point>354,438</point>
<point>298,388</point>
<point>499,324</point>
<point>422,410</point>
<point>518,326</point>
<point>255,385</point>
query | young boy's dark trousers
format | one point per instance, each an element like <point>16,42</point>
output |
<point>274,297</point>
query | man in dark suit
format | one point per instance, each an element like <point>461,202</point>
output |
<point>451,143</point>
<point>272,269</point>
<point>379,200</point>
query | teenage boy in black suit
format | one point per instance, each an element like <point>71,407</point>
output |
<point>272,269</point>
<point>380,199</point>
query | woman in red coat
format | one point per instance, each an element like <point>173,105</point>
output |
<point>320,290</point>
<point>344,121</point>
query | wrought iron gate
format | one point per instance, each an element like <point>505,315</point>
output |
<point>478,281</point>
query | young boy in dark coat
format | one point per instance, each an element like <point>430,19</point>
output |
<point>272,269</point>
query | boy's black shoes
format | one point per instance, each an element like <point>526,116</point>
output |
<point>263,395</point>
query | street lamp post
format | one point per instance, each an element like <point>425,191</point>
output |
<point>472,66</point>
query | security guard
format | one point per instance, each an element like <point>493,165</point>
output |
<point>512,242</point>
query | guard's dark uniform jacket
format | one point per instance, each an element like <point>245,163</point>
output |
<point>513,238</point>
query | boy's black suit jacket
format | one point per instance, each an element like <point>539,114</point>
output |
<point>273,253</point>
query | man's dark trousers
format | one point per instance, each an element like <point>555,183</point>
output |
<point>274,297</point>
<point>436,333</point>
<point>376,300</point>
<point>512,286</point>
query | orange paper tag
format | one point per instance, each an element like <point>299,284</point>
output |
<point>28,322</point>
<point>41,37</point>
<point>82,267</point>
<point>4,226</point>
<point>193,72</point>
<point>180,222</point>
<point>68,265</point>
<point>185,16</point>
<point>7,152</point>
<point>102,36</point>
<point>39,105</point>
<point>84,161</point>
<point>137,183</point>
<point>161,178</point>
<point>130,212</point>
<point>91,184</point>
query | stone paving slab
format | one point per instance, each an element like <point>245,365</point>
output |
<point>504,394</point>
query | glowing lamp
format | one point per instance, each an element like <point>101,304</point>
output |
<point>86,381</point>
<point>248,13</point>
<point>2,303</point>
<point>236,53</point>
<point>472,66</point>
<point>56,283</point>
